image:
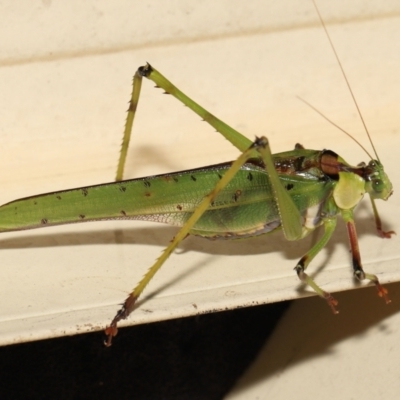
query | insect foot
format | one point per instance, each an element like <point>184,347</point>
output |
<point>382,291</point>
<point>332,302</point>
<point>123,313</point>
<point>385,234</point>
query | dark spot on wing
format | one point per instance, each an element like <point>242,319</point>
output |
<point>237,195</point>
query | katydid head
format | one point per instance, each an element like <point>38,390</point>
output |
<point>378,184</point>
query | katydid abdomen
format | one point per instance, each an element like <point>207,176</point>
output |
<point>245,207</point>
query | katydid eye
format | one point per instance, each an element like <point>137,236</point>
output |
<point>378,185</point>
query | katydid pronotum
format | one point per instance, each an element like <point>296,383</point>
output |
<point>306,189</point>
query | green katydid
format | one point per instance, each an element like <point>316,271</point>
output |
<point>297,191</point>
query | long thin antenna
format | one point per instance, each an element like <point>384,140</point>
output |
<point>334,124</point>
<point>346,80</point>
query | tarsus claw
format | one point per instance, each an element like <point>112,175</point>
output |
<point>385,235</point>
<point>110,331</point>
<point>332,302</point>
<point>383,292</point>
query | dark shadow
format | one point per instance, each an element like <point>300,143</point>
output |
<point>196,358</point>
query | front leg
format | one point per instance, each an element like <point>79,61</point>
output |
<point>378,223</point>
